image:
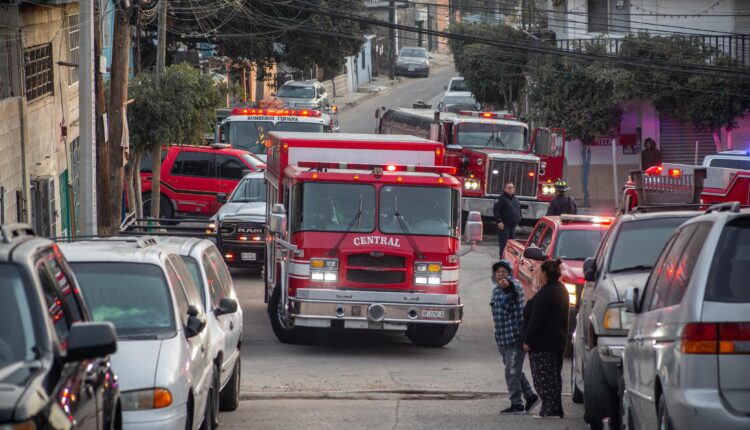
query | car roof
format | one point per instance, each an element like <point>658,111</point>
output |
<point>209,148</point>
<point>300,83</point>
<point>255,175</point>
<point>126,249</point>
<point>635,216</point>
<point>578,225</point>
<point>185,246</point>
<point>458,94</point>
<point>13,236</point>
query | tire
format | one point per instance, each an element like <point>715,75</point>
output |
<point>284,329</point>
<point>663,420</point>
<point>431,335</point>
<point>230,396</point>
<point>576,394</point>
<point>165,207</point>
<point>599,399</point>
<point>213,398</point>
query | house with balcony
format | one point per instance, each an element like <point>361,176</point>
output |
<point>723,24</point>
<point>39,124</point>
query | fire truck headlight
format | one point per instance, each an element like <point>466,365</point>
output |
<point>428,274</point>
<point>428,268</point>
<point>420,280</point>
<point>330,276</point>
<point>471,184</point>
<point>434,280</point>
<point>316,276</point>
<point>324,269</point>
<point>548,189</point>
<point>324,263</point>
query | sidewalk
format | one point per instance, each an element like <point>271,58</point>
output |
<point>379,85</point>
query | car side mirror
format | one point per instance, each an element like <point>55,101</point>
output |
<point>632,300</point>
<point>589,269</point>
<point>221,197</point>
<point>474,228</point>
<point>440,105</point>
<point>89,340</point>
<point>534,253</point>
<point>454,147</point>
<point>196,321</point>
<point>227,305</point>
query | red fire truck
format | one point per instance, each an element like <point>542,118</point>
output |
<point>364,234</point>
<point>489,149</point>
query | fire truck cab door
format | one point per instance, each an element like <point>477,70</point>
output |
<point>549,145</point>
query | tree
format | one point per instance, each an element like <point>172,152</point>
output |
<point>494,75</point>
<point>180,110</point>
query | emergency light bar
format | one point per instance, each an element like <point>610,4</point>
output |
<point>586,218</point>
<point>659,171</point>
<point>450,170</point>
<point>488,115</point>
<point>275,112</point>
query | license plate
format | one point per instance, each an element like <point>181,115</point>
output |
<point>249,256</point>
<point>433,314</point>
<point>411,69</point>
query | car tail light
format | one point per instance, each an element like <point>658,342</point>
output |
<point>716,338</point>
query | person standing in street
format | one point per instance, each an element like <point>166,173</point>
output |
<point>562,204</point>
<point>545,334</point>
<point>650,156</point>
<point>507,314</point>
<point>507,213</point>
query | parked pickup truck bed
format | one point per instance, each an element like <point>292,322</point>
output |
<point>571,238</point>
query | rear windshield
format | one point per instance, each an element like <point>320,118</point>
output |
<point>731,163</point>
<point>640,242</point>
<point>577,244</point>
<point>730,270</point>
<point>132,296</point>
<point>458,85</point>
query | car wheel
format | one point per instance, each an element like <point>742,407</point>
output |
<point>665,423</point>
<point>282,325</point>
<point>432,335</point>
<point>165,208</point>
<point>577,395</point>
<point>599,399</point>
<point>230,396</point>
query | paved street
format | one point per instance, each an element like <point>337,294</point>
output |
<point>380,380</point>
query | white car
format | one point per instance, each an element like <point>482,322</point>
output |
<point>163,363</point>
<point>223,313</point>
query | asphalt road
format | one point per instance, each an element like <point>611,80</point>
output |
<point>374,380</point>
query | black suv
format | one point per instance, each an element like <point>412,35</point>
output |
<point>54,365</point>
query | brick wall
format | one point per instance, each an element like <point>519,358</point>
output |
<point>11,155</point>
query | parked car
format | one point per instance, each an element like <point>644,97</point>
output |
<point>623,260</point>
<point>457,101</point>
<point>223,313</point>
<point>456,84</point>
<point>413,61</point>
<point>572,239</point>
<point>147,292</point>
<point>303,94</point>
<point>241,223</point>
<point>192,176</point>
<point>55,371</point>
<point>686,360</point>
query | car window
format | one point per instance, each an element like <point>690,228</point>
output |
<point>66,288</point>
<point>17,334</point>
<point>55,308</point>
<point>410,52</point>
<point>214,282</point>
<point>195,272</point>
<point>179,293</point>
<point>577,244</point>
<point>639,243</point>
<point>457,85</point>
<point>730,268</point>
<point>220,267</point>
<point>190,163</point>
<point>134,297</point>
<point>537,234</point>
<point>546,240</point>
<point>229,167</point>
<point>665,268</point>
<point>191,289</point>
<point>730,163</point>
<point>147,161</point>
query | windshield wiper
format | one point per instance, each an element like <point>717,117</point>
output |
<point>492,136</point>
<point>405,229</point>
<point>629,269</point>
<point>356,218</point>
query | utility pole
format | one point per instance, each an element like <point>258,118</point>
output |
<point>104,210</point>
<point>86,118</point>
<point>117,112</point>
<point>391,40</point>
<point>161,66</point>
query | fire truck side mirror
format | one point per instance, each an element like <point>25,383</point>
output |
<point>277,223</point>
<point>474,227</point>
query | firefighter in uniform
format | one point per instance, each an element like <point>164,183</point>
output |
<point>562,204</point>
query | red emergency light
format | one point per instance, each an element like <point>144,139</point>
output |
<point>276,112</point>
<point>654,171</point>
<point>487,115</point>
<point>675,173</point>
<point>317,165</point>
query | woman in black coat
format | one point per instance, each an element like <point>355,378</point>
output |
<point>545,335</point>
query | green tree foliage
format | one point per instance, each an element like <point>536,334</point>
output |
<point>495,75</point>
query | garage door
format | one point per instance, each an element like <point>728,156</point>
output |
<point>677,142</point>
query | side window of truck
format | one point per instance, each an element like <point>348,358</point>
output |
<point>546,240</point>
<point>537,234</point>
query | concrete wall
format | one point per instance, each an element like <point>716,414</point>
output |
<point>11,156</point>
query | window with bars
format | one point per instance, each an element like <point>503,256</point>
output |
<point>72,27</point>
<point>37,67</point>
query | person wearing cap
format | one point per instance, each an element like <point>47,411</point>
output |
<point>562,204</point>
<point>507,314</point>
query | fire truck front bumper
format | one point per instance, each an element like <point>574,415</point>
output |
<point>530,209</point>
<point>373,309</point>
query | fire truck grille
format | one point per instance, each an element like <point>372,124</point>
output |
<point>364,276</point>
<point>517,172</point>
<point>367,260</point>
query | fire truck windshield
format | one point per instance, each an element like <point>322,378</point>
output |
<point>425,210</point>
<point>249,190</point>
<point>300,126</point>
<point>331,207</point>
<point>492,136</point>
<point>249,135</point>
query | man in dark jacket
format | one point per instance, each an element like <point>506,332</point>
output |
<point>507,212</point>
<point>650,156</point>
<point>562,204</point>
